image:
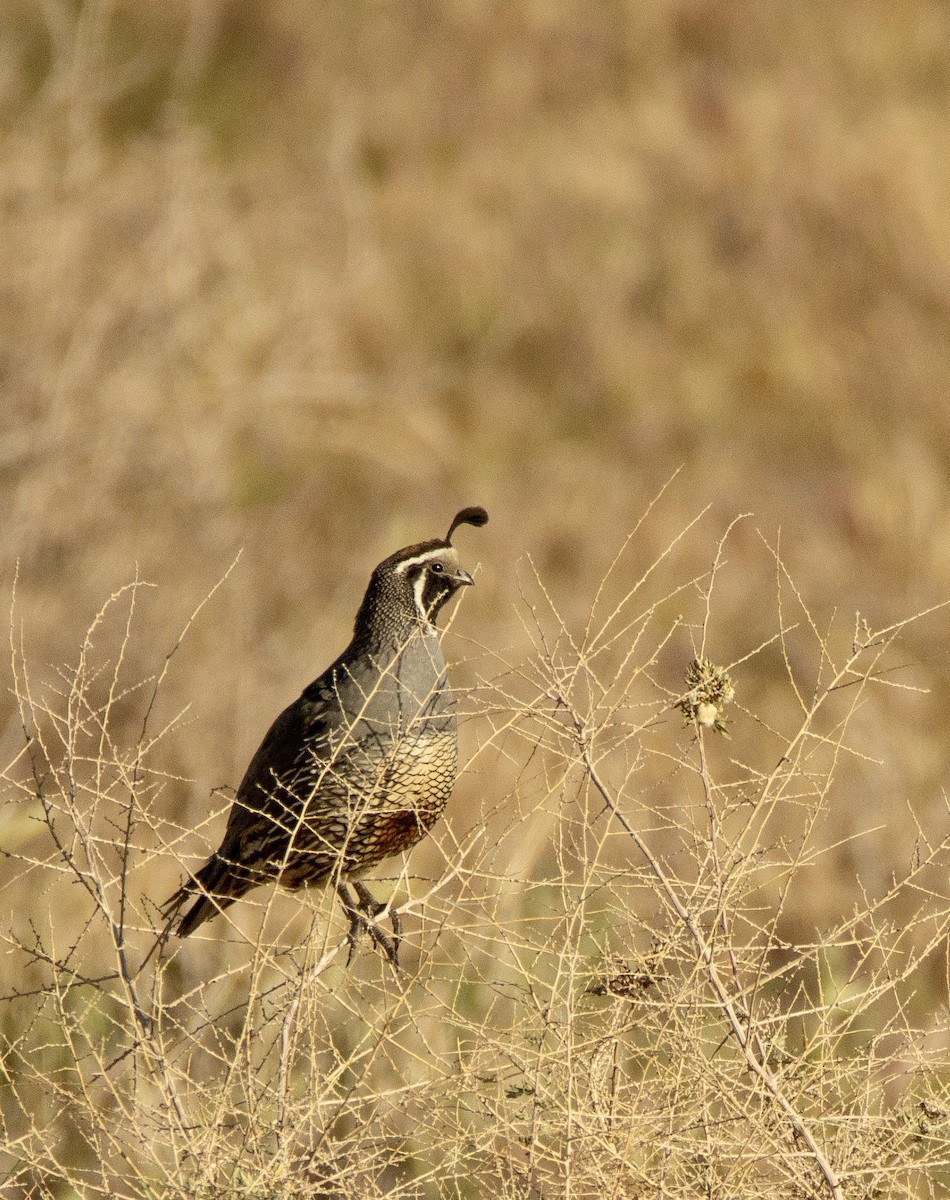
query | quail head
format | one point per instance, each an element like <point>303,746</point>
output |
<point>361,765</point>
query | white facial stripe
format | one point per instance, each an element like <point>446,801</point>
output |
<point>404,566</point>
<point>417,587</point>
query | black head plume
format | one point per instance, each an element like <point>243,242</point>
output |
<point>474,515</point>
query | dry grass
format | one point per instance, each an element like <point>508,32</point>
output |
<point>608,1007</point>
<point>298,282</point>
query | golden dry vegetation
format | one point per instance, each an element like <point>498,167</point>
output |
<point>666,288</point>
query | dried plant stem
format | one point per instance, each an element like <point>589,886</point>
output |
<point>520,1051</point>
<point>751,1046</point>
<point>287,1030</point>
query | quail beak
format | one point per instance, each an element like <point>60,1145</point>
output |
<point>462,577</point>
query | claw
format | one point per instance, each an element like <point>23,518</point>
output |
<point>372,908</point>
<point>361,918</point>
<point>352,934</point>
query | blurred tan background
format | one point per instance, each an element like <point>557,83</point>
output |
<point>303,279</point>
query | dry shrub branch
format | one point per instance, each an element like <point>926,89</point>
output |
<point>608,988</point>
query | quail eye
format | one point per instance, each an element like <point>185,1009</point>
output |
<point>437,568</point>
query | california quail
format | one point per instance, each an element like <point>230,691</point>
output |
<point>361,765</point>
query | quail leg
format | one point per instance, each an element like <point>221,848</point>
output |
<point>372,907</point>
<point>360,919</point>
